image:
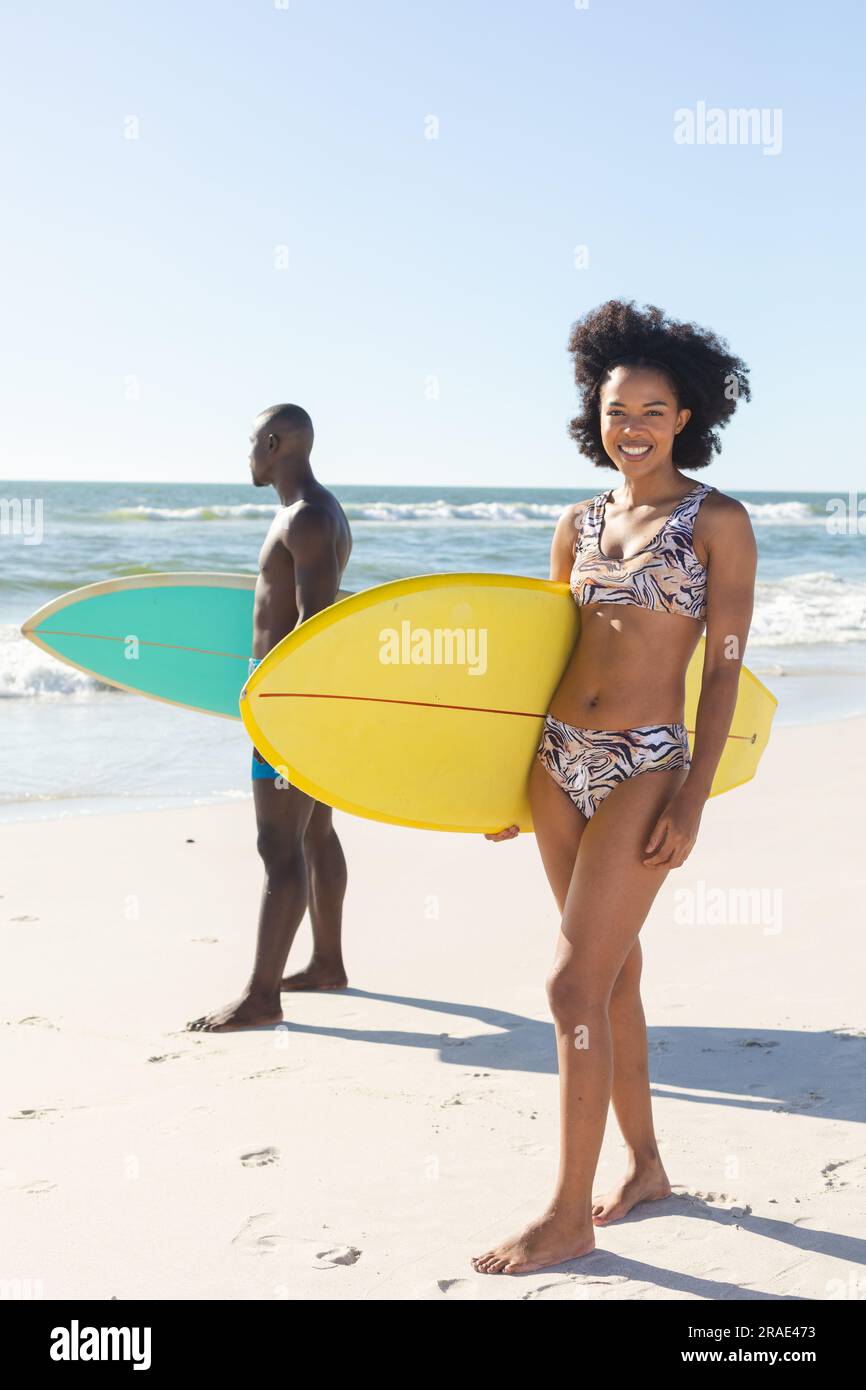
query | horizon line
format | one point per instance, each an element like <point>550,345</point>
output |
<point>490,487</point>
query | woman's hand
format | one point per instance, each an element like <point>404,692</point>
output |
<point>674,833</point>
<point>507,834</point>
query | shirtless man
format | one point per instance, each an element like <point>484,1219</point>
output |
<point>301,564</point>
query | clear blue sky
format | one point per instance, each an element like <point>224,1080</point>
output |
<point>149,264</point>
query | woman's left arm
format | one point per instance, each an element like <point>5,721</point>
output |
<point>731,566</point>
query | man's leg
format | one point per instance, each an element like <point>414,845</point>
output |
<point>282,816</point>
<point>326,866</point>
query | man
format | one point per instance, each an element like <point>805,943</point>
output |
<point>300,567</point>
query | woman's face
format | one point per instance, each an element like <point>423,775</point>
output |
<point>639,419</point>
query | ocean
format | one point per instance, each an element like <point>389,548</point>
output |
<point>72,746</point>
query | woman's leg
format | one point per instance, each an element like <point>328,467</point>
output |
<point>558,829</point>
<point>608,899</point>
<point>645,1178</point>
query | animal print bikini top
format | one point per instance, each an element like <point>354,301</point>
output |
<point>666,575</point>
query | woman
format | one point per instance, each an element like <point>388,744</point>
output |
<point>649,562</point>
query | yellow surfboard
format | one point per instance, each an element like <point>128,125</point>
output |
<point>421,702</point>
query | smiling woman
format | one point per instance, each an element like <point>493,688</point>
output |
<point>677,554</point>
<point>696,365</point>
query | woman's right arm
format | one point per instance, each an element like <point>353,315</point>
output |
<point>564,538</point>
<point>561,562</point>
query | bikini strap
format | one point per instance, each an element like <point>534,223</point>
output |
<point>686,510</point>
<point>682,518</point>
<point>684,513</point>
<point>589,522</point>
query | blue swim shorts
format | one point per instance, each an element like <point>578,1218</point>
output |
<point>261,769</point>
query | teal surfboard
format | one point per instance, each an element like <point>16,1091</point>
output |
<point>182,638</point>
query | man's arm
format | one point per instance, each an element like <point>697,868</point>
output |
<point>309,538</point>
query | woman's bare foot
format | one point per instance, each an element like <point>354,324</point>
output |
<point>317,975</point>
<point>648,1183</point>
<point>549,1241</point>
<point>250,1011</point>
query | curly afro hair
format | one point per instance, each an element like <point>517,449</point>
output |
<point>706,378</point>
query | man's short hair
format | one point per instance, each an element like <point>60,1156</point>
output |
<point>290,417</point>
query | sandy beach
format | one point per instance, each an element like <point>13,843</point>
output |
<point>367,1148</point>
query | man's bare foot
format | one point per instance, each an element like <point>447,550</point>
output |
<point>549,1241</point>
<point>645,1184</point>
<point>316,976</point>
<point>247,1012</point>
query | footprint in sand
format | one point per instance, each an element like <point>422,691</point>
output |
<point>337,1255</point>
<point>855,1173</point>
<point>268,1233</point>
<point>260,1157</point>
<point>579,1285</point>
<point>487,1289</point>
<point>459,1098</point>
<point>458,1290</point>
<point>718,1201</point>
<point>528,1147</point>
<point>807,1101</point>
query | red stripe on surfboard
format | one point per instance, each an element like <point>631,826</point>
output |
<point>427,704</point>
<point>383,700</point>
<point>142,642</point>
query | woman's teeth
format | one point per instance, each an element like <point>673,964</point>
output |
<point>635,451</point>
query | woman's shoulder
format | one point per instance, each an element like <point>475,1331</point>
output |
<point>573,514</point>
<point>722,515</point>
<point>721,502</point>
<point>569,529</point>
<point>572,517</point>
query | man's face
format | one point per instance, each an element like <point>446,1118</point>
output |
<point>260,455</point>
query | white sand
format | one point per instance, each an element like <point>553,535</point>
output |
<point>386,1133</point>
